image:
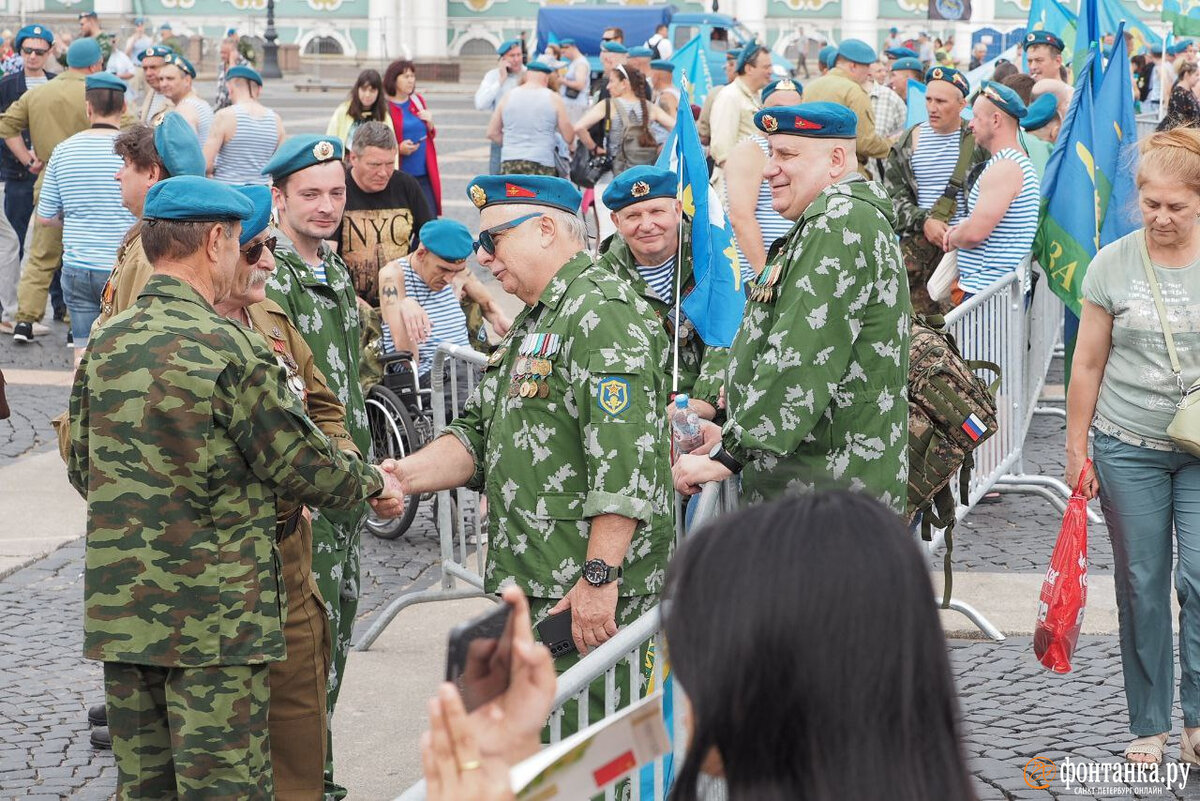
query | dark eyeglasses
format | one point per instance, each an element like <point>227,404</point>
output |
<point>254,252</point>
<point>487,237</point>
<point>34,51</point>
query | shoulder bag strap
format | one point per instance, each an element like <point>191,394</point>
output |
<point>1162,309</point>
<point>944,208</point>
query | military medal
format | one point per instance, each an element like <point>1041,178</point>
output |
<point>295,381</point>
<point>543,390</point>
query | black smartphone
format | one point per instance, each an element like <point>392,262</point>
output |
<point>479,657</point>
<point>555,634</point>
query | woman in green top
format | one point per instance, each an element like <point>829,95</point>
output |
<point>1123,389</point>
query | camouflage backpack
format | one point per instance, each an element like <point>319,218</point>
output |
<point>951,411</point>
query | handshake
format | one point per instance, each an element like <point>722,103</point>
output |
<point>390,502</point>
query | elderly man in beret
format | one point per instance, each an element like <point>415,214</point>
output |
<point>902,71</point>
<point>733,111</point>
<point>498,82</point>
<point>926,173</point>
<point>175,81</point>
<point>154,103</point>
<point>843,85</point>
<point>816,385</point>
<point>565,434</point>
<point>1044,55</point>
<point>180,583</point>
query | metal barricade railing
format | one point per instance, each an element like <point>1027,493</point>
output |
<point>457,510</point>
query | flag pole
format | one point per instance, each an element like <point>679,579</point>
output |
<point>678,245</point>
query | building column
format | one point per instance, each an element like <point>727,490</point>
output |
<point>428,29</point>
<point>113,8</point>
<point>751,13</point>
<point>860,20</point>
<point>383,28</point>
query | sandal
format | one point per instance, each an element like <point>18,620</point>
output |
<point>1151,746</point>
<point>1188,747</point>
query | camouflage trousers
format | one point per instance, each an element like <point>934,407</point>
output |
<point>526,167</point>
<point>189,733</point>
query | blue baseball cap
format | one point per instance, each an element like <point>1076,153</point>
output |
<point>909,63</point>
<point>104,80</point>
<point>644,182</point>
<point>781,85</point>
<point>178,146</point>
<point>447,239</point>
<point>816,120</point>
<point>1004,98</point>
<point>858,51</point>
<point>901,52</point>
<point>192,198</point>
<point>303,151</point>
<point>260,197</point>
<point>614,47</point>
<point>949,75</point>
<point>1040,112</point>
<point>1034,38</point>
<point>506,45</point>
<point>33,32</point>
<point>83,52</point>
<point>827,56</point>
<point>242,71</point>
<point>537,190</point>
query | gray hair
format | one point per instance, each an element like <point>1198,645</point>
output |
<point>373,134</point>
<point>571,224</point>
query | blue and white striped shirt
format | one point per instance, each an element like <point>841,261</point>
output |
<point>241,159</point>
<point>447,320</point>
<point>1011,239</point>
<point>204,116</point>
<point>661,279</point>
<point>933,165</point>
<point>771,223</point>
<point>79,186</point>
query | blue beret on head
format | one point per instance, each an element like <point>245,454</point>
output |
<point>659,64</point>
<point>256,223</point>
<point>640,183</point>
<point>139,20</point>
<point>86,14</point>
<point>641,51</point>
<point>538,190</point>
<point>568,42</point>
<point>827,56</point>
<point>104,80</point>
<point>1040,112</point>
<point>230,31</point>
<point>538,66</point>
<point>299,152</point>
<point>447,239</point>
<point>858,51</point>
<point>818,120</point>
<point>242,71</point>
<point>902,52</point>
<point>781,85</point>
<point>83,52</point>
<point>178,146</point>
<point>33,32</point>
<point>749,51</point>
<point>181,62</point>
<point>1044,38</point>
<point>506,45</point>
<point>613,47</point>
<point>951,76</point>
<point>1004,98</point>
<point>154,51</point>
<point>166,26</point>
<point>908,63</point>
<point>192,198</point>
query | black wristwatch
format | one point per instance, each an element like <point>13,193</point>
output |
<point>597,572</point>
<point>719,454</point>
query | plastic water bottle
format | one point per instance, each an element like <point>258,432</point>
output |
<point>685,427</point>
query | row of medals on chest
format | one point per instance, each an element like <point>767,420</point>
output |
<point>533,366</point>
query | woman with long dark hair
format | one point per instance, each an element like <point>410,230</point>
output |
<point>413,123</point>
<point>365,103</point>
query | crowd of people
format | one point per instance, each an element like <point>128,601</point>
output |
<point>232,292</point>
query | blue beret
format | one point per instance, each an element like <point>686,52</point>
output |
<point>819,120</point>
<point>951,76</point>
<point>178,146</point>
<point>230,31</point>
<point>1044,38</point>
<point>1004,98</point>
<point>181,62</point>
<point>104,80</point>
<point>827,55</point>
<point>192,198</point>
<point>299,152</point>
<point>641,51</point>
<point>908,63</point>
<point>447,239</point>
<point>749,51</point>
<point>166,26</point>
<point>1040,112</point>
<point>640,183</point>
<point>242,71</point>
<point>506,45</point>
<point>256,223</point>
<point>139,20</point>
<point>538,66</point>
<point>155,51</point>
<point>568,42</point>
<point>902,52</point>
<point>1185,44</point>
<point>858,51</point>
<point>893,29</point>
<point>34,32</point>
<point>781,85</point>
<point>86,14</point>
<point>538,190</point>
<point>613,47</point>
<point>83,52</point>
<point>659,64</point>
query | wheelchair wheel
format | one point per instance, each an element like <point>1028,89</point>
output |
<point>393,436</point>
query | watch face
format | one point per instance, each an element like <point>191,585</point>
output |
<point>715,450</point>
<point>595,571</point>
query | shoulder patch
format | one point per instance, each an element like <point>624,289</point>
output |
<point>613,395</point>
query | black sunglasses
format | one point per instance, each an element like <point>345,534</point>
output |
<point>34,51</point>
<point>487,237</point>
<point>254,252</point>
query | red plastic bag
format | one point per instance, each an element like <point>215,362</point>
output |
<point>1064,591</point>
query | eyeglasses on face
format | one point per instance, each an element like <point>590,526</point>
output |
<point>255,251</point>
<point>487,237</point>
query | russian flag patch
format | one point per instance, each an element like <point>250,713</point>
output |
<point>974,428</point>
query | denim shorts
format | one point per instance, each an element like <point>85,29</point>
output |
<point>82,289</point>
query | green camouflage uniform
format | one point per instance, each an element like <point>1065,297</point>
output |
<point>183,431</point>
<point>701,369</point>
<point>104,39</point>
<point>818,371</point>
<point>327,316</point>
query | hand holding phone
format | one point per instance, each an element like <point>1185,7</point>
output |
<point>555,634</point>
<point>479,657</point>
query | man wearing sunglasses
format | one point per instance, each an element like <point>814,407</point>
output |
<point>565,434</point>
<point>32,43</point>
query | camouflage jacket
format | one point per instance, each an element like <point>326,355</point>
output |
<point>104,39</point>
<point>569,423</point>
<point>700,368</point>
<point>183,431</point>
<point>901,183</point>
<point>818,370</point>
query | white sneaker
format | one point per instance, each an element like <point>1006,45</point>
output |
<point>40,330</point>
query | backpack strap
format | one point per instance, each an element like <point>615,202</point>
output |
<point>940,514</point>
<point>943,208</point>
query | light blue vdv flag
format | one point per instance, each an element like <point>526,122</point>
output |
<point>917,113</point>
<point>692,61</point>
<point>1115,140</point>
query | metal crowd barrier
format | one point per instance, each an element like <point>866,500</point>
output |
<point>457,513</point>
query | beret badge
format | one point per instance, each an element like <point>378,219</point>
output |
<point>640,189</point>
<point>478,196</point>
<point>322,151</point>
<point>770,124</point>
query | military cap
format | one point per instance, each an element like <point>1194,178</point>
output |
<point>242,71</point>
<point>818,120</point>
<point>1185,44</point>
<point>902,52</point>
<point>506,45</point>
<point>193,198</point>
<point>951,76</point>
<point>139,20</point>
<point>181,62</point>
<point>909,63</point>
<point>636,184</point>
<point>568,42</point>
<point>1155,48</point>
<point>86,14</point>
<point>1044,38</point>
<point>1040,112</point>
<point>166,26</point>
<point>1004,98</point>
<point>827,55</point>
<point>178,146</point>
<point>231,31</point>
<point>749,51</point>
<point>538,66</point>
<point>83,52</point>
<point>33,32</point>
<point>613,47</point>
<point>733,54</point>
<point>104,80</point>
<point>299,152</point>
<point>893,30</point>
<point>781,85</point>
<point>447,239</point>
<point>537,190</point>
<point>660,64</point>
<point>257,222</point>
<point>155,51</point>
<point>858,51</point>
<point>641,51</point>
